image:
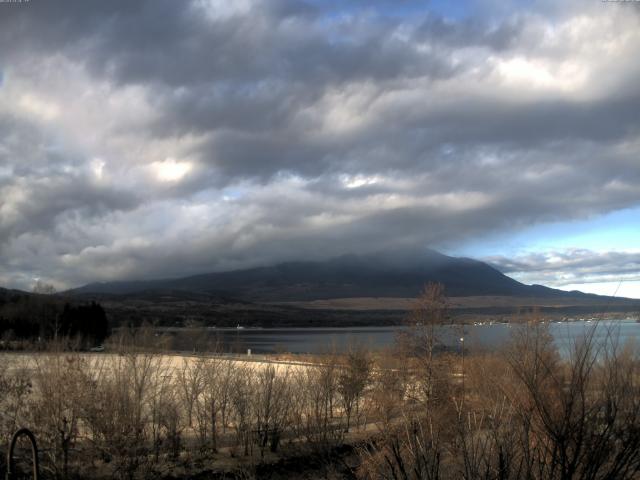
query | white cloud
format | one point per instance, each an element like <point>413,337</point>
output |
<point>587,270</point>
<point>170,170</point>
<point>625,289</point>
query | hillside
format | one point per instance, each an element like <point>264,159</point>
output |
<point>350,276</point>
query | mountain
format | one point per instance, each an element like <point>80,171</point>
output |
<point>376,275</point>
<point>7,295</point>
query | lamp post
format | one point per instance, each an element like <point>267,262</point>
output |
<point>462,347</point>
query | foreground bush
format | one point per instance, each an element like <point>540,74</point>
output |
<point>523,414</point>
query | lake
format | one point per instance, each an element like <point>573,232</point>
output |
<point>319,340</point>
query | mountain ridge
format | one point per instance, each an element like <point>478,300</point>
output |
<point>373,275</point>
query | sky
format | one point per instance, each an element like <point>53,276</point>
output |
<point>158,138</point>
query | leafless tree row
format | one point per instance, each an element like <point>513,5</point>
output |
<point>134,413</point>
<point>523,413</point>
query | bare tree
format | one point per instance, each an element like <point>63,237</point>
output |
<point>314,390</point>
<point>413,450</point>
<point>388,389</point>
<point>190,381</point>
<point>43,288</point>
<point>213,399</point>
<point>242,407</point>
<point>272,396</point>
<point>353,378</point>
<point>583,416</point>
<point>116,410</point>
<point>55,408</point>
<point>420,341</point>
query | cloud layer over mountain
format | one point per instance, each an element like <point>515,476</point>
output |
<point>573,266</point>
<point>163,138</point>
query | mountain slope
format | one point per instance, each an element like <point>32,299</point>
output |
<point>380,275</point>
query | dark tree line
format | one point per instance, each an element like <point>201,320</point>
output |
<point>88,321</point>
<point>32,317</point>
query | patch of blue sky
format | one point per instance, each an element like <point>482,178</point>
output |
<point>619,230</point>
<point>456,10</point>
<point>233,193</point>
<point>453,10</point>
<point>392,8</point>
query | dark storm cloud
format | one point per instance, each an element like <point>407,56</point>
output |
<point>175,137</point>
<point>176,43</point>
<point>438,30</point>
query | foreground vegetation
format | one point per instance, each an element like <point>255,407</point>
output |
<point>524,412</point>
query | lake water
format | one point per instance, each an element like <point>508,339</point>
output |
<point>490,336</point>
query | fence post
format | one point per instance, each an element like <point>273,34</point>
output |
<point>34,453</point>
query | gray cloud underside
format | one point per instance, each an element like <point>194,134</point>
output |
<point>300,131</point>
